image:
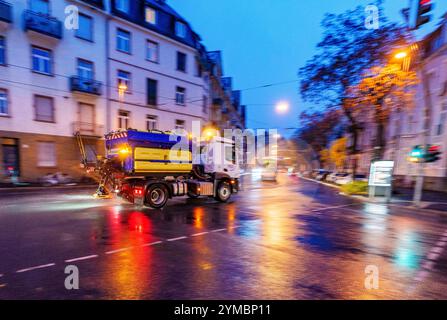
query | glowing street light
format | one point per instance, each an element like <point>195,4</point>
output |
<point>401,55</point>
<point>282,107</point>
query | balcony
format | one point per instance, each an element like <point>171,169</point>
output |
<point>5,12</point>
<point>43,24</point>
<point>88,129</point>
<point>85,85</point>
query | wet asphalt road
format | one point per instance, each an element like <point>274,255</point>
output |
<point>293,239</point>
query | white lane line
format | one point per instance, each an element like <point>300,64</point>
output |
<point>93,256</point>
<point>335,207</point>
<point>219,230</point>
<point>152,244</point>
<point>119,250</point>
<point>36,267</point>
<point>176,239</point>
<point>199,234</point>
<point>437,250</point>
<point>433,256</point>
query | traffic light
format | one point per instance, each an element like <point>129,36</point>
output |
<point>424,7</point>
<point>417,154</point>
<point>433,153</point>
<point>421,154</point>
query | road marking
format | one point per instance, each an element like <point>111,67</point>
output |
<point>152,244</point>
<point>219,230</point>
<point>199,234</point>
<point>437,250</point>
<point>36,267</point>
<point>433,256</point>
<point>335,207</point>
<point>176,239</point>
<point>93,256</point>
<point>119,250</point>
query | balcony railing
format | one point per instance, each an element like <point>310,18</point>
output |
<point>42,23</point>
<point>85,85</point>
<point>88,129</point>
<point>5,12</point>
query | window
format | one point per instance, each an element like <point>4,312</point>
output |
<point>85,30</point>
<point>46,154</point>
<point>199,69</point>
<point>123,40</point>
<point>85,69</point>
<point>124,80</point>
<point>3,102</point>
<point>230,154</point>
<point>44,109</point>
<point>122,5</point>
<point>180,124</point>
<point>151,122</point>
<point>40,6</point>
<point>205,104</point>
<point>123,119</point>
<point>41,60</point>
<point>180,96</point>
<point>181,61</point>
<point>151,15</point>
<point>180,29</point>
<point>2,51</point>
<point>152,92</point>
<point>152,51</point>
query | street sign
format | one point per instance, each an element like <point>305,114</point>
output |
<point>381,174</point>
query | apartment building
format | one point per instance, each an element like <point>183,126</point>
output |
<point>226,110</point>
<point>128,64</point>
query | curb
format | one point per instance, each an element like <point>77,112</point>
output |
<point>47,188</point>
<point>363,199</point>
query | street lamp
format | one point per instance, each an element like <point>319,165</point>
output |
<point>401,55</point>
<point>282,107</point>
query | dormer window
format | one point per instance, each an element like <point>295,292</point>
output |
<point>180,29</point>
<point>151,16</point>
<point>122,5</point>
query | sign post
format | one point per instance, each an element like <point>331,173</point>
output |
<point>381,179</point>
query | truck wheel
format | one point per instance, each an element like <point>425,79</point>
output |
<point>223,192</point>
<point>157,196</point>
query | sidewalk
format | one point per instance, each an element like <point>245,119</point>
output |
<point>431,200</point>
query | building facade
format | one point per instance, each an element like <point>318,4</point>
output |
<point>122,64</point>
<point>226,109</point>
<point>406,126</point>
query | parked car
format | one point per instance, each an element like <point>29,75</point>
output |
<point>336,175</point>
<point>348,179</point>
<point>56,179</point>
<point>322,175</point>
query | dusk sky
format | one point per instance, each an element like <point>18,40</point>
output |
<point>267,41</point>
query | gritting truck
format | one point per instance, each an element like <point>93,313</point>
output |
<point>147,168</point>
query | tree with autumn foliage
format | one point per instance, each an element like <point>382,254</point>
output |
<point>338,153</point>
<point>348,49</point>
<point>385,90</point>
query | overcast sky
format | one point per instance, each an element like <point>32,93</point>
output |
<point>267,41</point>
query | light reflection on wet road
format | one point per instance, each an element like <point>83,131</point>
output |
<point>291,240</point>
